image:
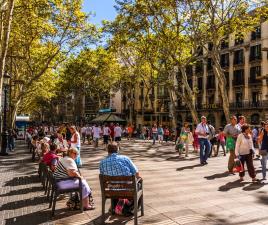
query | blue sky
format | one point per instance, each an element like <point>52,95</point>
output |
<point>103,10</point>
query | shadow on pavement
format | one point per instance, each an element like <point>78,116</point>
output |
<point>24,203</point>
<point>232,185</point>
<point>113,220</point>
<point>253,186</point>
<point>23,191</point>
<point>189,167</point>
<point>16,181</point>
<point>218,175</point>
<point>38,217</point>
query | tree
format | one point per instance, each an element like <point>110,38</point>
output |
<point>44,34</point>
<point>162,26</point>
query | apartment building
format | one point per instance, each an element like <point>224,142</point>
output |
<point>245,61</point>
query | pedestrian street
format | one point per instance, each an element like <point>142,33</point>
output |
<point>176,190</point>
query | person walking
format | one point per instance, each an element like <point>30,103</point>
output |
<point>202,131</point>
<point>231,131</point>
<point>83,133</point>
<point>76,143</point>
<point>166,134</point>
<point>96,135</point>
<point>154,132</point>
<point>184,137</point>
<point>220,142</point>
<point>263,141</point>
<point>117,134</point>
<point>244,150</point>
<point>212,139</point>
<point>106,134</point>
<point>160,133</point>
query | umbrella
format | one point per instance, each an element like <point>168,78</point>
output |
<point>108,117</point>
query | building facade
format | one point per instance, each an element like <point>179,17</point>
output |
<point>245,62</point>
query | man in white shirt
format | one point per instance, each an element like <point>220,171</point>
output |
<point>89,134</point>
<point>83,133</point>
<point>202,130</point>
<point>96,135</point>
<point>117,133</point>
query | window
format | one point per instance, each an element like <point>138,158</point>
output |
<point>200,83</point>
<point>210,46</point>
<point>189,71</point>
<point>256,97</point>
<point>225,60</point>
<point>209,66</point>
<point>238,98</point>
<point>239,57</point>
<point>255,72</point>
<point>255,52</point>
<point>199,67</point>
<point>227,78</point>
<point>238,77</point>
<point>211,82</point>
<point>211,99</point>
<point>224,44</point>
<point>256,34</point>
<point>239,39</point>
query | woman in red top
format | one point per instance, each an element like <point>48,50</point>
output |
<point>51,158</point>
<point>166,134</point>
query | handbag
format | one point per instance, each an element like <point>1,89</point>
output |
<point>263,152</point>
<point>238,167</point>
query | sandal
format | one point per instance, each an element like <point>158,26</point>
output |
<point>255,180</point>
<point>90,207</point>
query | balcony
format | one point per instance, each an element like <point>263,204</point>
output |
<point>249,105</point>
<point>238,82</point>
<point>252,80</point>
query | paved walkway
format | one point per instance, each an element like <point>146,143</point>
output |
<point>177,191</point>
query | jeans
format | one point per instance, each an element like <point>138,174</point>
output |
<point>231,161</point>
<point>204,149</point>
<point>78,159</point>
<point>154,138</point>
<point>263,165</point>
<point>11,143</point>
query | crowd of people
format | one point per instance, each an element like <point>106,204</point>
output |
<point>59,147</point>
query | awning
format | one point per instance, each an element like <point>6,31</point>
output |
<point>108,117</point>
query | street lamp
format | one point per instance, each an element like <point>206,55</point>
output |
<point>4,131</point>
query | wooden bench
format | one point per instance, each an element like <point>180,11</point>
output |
<point>115,187</point>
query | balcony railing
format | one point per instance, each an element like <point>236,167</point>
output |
<point>254,81</point>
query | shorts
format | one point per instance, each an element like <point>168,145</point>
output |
<point>105,139</point>
<point>160,137</point>
<point>117,139</point>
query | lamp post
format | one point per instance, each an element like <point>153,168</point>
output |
<point>4,131</point>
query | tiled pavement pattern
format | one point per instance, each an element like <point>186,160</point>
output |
<point>177,191</point>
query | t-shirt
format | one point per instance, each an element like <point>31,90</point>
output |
<point>160,131</point>
<point>202,128</point>
<point>63,166</point>
<point>96,132</point>
<point>117,131</point>
<point>106,131</point>
<point>88,130</point>
<point>231,130</point>
<point>83,130</point>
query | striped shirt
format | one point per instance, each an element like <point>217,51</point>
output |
<point>63,166</point>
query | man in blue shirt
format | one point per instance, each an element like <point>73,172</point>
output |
<point>117,165</point>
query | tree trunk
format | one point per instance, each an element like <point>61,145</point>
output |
<point>173,107</point>
<point>222,85</point>
<point>188,96</point>
<point>4,43</point>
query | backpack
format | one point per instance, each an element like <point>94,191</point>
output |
<point>74,202</point>
<point>124,207</point>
